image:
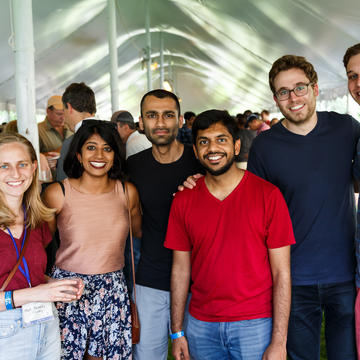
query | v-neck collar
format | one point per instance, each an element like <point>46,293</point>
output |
<point>230,195</point>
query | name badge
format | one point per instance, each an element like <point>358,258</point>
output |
<point>36,313</point>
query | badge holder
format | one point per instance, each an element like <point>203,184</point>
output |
<point>36,313</point>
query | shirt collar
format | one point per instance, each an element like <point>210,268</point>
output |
<point>78,125</point>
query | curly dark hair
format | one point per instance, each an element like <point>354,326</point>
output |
<point>288,62</point>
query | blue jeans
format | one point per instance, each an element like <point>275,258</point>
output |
<point>308,303</point>
<point>36,342</point>
<point>154,315</point>
<point>240,340</point>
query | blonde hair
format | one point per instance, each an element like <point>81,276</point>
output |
<point>10,127</point>
<point>36,211</point>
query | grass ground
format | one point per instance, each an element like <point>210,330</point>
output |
<point>322,349</point>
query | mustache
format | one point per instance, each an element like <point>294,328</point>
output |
<point>160,129</point>
<point>212,153</point>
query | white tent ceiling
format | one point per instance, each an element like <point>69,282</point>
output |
<point>218,53</point>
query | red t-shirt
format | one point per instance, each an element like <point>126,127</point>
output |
<point>35,256</point>
<point>229,242</point>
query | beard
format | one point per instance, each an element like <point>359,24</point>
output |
<point>220,171</point>
<point>161,140</point>
<point>301,118</point>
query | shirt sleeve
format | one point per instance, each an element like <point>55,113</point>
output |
<point>177,237</point>
<point>279,230</point>
<point>356,165</point>
<point>255,165</point>
<point>356,129</point>
<point>60,173</point>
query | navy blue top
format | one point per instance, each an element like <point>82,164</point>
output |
<point>356,170</point>
<point>185,135</point>
<point>314,173</point>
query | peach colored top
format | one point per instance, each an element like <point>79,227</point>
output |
<point>93,230</point>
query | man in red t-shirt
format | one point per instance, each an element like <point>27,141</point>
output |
<point>232,235</point>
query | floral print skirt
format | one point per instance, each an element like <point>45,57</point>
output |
<point>100,322</point>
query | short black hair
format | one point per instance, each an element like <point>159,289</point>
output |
<point>106,131</point>
<point>160,94</point>
<point>210,117</point>
<point>80,97</point>
<point>188,115</point>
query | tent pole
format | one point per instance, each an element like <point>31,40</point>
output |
<point>161,60</point>
<point>113,55</point>
<point>148,44</point>
<point>25,70</point>
<point>170,74</point>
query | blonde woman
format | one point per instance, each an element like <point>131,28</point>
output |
<point>28,320</point>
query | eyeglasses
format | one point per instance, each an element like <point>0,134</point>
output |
<point>299,90</point>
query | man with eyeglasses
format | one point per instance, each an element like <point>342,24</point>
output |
<point>156,173</point>
<point>308,156</point>
<point>53,131</point>
<point>352,66</point>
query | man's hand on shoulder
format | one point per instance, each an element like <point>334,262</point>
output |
<point>190,182</point>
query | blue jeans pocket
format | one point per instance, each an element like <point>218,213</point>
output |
<point>9,328</point>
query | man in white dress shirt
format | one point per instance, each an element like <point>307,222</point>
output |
<point>135,142</point>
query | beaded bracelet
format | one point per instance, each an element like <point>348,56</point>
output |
<point>8,302</point>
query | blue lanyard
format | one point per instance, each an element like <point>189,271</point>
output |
<point>25,272</point>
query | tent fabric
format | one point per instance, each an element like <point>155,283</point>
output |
<point>217,53</point>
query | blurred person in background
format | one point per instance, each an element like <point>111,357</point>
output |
<point>53,131</point>
<point>133,140</point>
<point>184,134</point>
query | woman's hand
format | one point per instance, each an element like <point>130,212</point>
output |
<point>64,290</point>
